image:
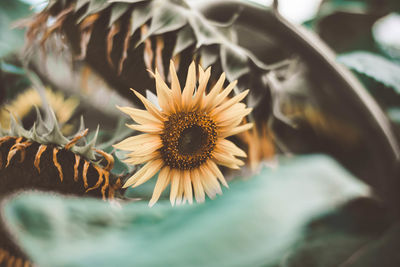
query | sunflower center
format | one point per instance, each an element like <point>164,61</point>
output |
<point>191,140</point>
<point>188,140</point>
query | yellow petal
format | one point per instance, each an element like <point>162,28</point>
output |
<point>175,177</point>
<point>140,116</point>
<point>216,171</point>
<point>236,130</point>
<point>179,196</point>
<point>153,169</point>
<point>229,103</point>
<point>134,159</point>
<point>138,174</point>
<point>132,142</point>
<point>147,128</point>
<point>149,106</point>
<point>210,98</point>
<point>187,94</point>
<point>188,187</point>
<point>228,146</point>
<point>224,94</point>
<point>226,159</point>
<point>175,86</point>
<point>197,186</point>
<point>163,178</point>
<point>202,87</point>
<point>164,95</point>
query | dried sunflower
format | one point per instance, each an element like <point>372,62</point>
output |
<point>185,140</point>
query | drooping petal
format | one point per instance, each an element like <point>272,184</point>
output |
<point>227,160</point>
<point>163,179</point>
<point>179,196</point>
<point>188,187</point>
<point>217,172</point>
<point>228,146</point>
<point>197,186</point>
<point>153,169</point>
<point>175,179</point>
<point>138,174</point>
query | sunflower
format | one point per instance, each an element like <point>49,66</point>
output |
<point>185,140</point>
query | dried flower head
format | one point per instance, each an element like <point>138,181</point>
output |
<point>185,140</point>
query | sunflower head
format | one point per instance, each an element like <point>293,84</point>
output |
<point>185,140</point>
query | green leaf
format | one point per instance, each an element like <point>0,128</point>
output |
<point>12,39</point>
<point>254,223</point>
<point>376,67</point>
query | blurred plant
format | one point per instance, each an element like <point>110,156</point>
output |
<point>303,102</point>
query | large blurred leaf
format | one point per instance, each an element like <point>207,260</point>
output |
<point>376,67</point>
<point>336,238</point>
<point>252,224</point>
<point>10,11</point>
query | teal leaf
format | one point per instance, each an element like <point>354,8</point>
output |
<point>12,39</point>
<point>140,15</point>
<point>184,40</point>
<point>376,67</point>
<point>254,223</point>
<point>168,18</point>
<point>117,11</point>
<point>234,61</point>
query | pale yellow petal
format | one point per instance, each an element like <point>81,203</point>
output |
<point>188,186</point>
<point>225,159</point>
<point>229,103</point>
<point>187,94</point>
<point>146,128</point>
<point>164,95</point>
<point>217,172</point>
<point>138,174</point>
<point>220,98</point>
<point>179,196</point>
<point>175,86</point>
<point>175,177</point>
<point>163,178</point>
<point>202,88</point>
<point>210,183</point>
<point>134,159</point>
<point>132,142</point>
<point>142,151</point>
<point>149,106</point>
<point>197,186</point>
<point>232,116</point>
<point>153,169</point>
<point>228,146</point>
<point>140,116</point>
<point>236,130</point>
<point>210,98</point>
